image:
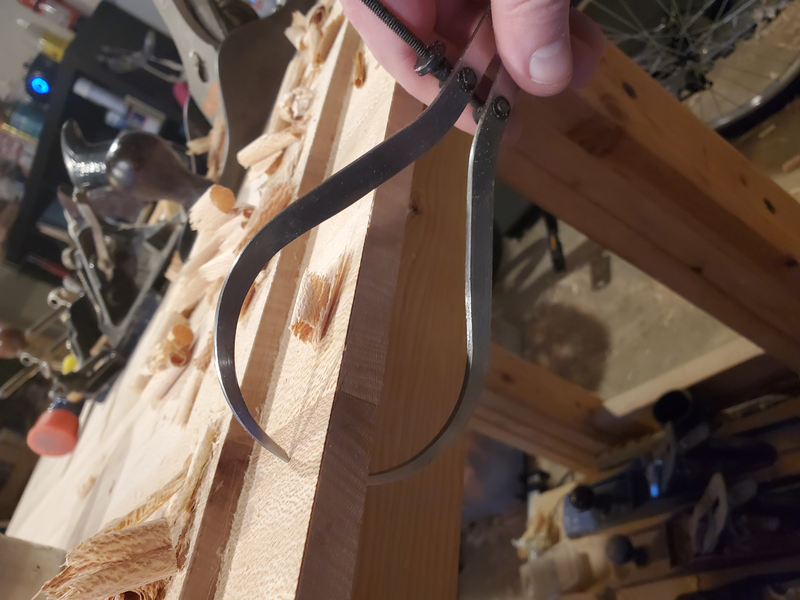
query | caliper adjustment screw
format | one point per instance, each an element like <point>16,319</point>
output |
<point>467,79</point>
<point>433,61</point>
<point>501,108</point>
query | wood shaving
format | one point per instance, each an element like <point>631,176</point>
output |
<point>180,357</point>
<point>328,37</point>
<point>216,146</point>
<point>295,32</point>
<point>274,202</point>
<point>294,106</point>
<point>316,301</point>
<point>151,504</point>
<point>109,564</point>
<point>181,334</point>
<point>223,198</point>
<point>199,145</point>
<point>311,40</point>
<point>317,14</point>
<point>360,70</point>
<point>182,507</point>
<point>267,146</point>
<point>160,384</point>
<point>206,216</point>
<point>217,268</point>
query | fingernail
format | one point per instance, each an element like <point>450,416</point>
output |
<point>551,64</point>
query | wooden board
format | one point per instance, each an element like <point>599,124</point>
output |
<point>412,527</point>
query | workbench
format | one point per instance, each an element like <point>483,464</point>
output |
<point>621,161</point>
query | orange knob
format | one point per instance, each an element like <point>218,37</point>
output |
<point>54,434</point>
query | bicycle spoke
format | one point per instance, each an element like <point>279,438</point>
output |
<point>755,74</point>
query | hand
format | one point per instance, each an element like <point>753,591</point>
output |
<point>544,44</point>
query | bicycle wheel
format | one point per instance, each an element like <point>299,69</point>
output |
<point>725,59</point>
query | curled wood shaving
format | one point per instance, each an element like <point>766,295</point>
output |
<point>110,564</point>
<point>267,146</point>
<point>151,504</point>
<point>199,145</point>
<point>180,357</point>
<point>222,198</point>
<point>182,506</point>
<point>360,70</point>
<point>316,301</point>
<point>317,14</point>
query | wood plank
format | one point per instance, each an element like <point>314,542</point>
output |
<point>297,525</point>
<point>630,167</point>
<point>274,312</point>
<point>531,408</point>
<point>409,544</point>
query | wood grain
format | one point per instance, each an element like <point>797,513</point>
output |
<point>409,544</point>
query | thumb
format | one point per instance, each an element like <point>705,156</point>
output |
<point>534,43</point>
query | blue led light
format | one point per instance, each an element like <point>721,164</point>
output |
<point>39,85</point>
<point>654,491</point>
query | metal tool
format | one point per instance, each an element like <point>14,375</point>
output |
<point>122,60</point>
<point>364,175</point>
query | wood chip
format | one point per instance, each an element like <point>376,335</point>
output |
<point>112,563</point>
<point>267,146</point>
<point>360,70</point>
<point>223,198</point>
<point>198,145</point>
<point>316,301</point>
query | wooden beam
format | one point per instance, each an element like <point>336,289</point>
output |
<point>626,164</point>
<point>409,545</point>
<point>529,407</point>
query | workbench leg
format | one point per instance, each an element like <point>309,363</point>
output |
<point>410,536</point>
